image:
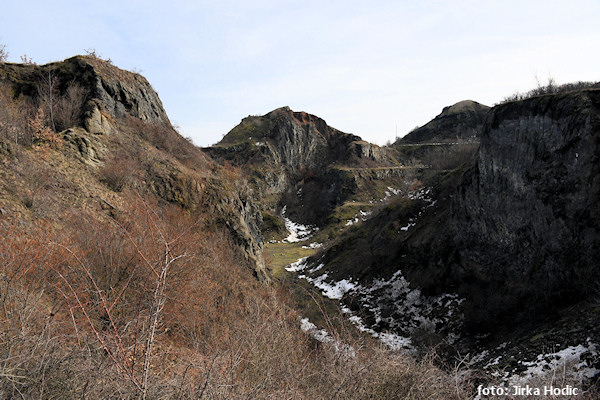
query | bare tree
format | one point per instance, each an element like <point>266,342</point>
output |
<point>48,92</point>
<point>3,53</point>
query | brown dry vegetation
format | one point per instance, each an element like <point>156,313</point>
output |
<point>81,318</point>
<point>118,281</point>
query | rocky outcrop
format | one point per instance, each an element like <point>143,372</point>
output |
<point>112,93</point>
<point>119,112</point>
<point>292,159</point>
<point>516,234</point>
<point>459,122</point>
<point>527,219</point>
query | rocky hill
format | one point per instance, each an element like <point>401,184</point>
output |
<point>295,160</point>
<point>129,258</point>
<point>459,122</point>
<point>132,257</point>
<point>117,126</point>
<point>491,251</point>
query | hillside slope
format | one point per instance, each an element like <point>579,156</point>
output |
<point>295,160</point>
<point>129,261</point>
<point>117,127</point>
<point>491,251</point>
<point>459,122</point>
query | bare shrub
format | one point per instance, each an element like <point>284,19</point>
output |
<point>550,88</point>
<point>152,303</point>
<point>27,60</point>
<point>69,107</point>
<point>14,114</point>
<point>3,53</point>
<point>48,93</point>
<point>118,171</point>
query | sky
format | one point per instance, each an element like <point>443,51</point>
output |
<point>376,69</point>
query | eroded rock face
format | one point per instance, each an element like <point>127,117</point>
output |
<point>516,233</point>
<point>294,159</point>
<point>114,101</point>
<point>527,221</point>
<point>115,94</point>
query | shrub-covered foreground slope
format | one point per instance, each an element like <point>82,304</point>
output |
<point>130,263</point>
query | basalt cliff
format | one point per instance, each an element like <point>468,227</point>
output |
<point>503,248</point>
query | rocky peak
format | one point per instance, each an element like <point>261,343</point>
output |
<point>113,93</point>
<point>461,121</point>
<point>295,140</point>
<point>286,153</point>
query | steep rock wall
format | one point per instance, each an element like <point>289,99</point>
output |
<point>527,220</point>
<point>290,158</point>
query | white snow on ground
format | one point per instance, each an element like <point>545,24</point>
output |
<point>298,232</point>
<point>396,310</point>
<point>313,245</point>
<point>352,221</point>
<point>323,336</point>
<point>318,334</point>
<point>390,192</point>
<point>573,363</point>
<point>333,290</point>
<point>393,341</point>
<point>394,306</point>
<point>422,194</point>
<point>361,216</point>
<point>297,266</point>
<point>570,360</point>
<point>410,225</point>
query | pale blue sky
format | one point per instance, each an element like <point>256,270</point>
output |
<point>365,67</point>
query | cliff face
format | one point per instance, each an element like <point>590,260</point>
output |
<point>514,234</point>
<point>294,159</point>
<point>122,125</point>
<point>521,234</point>
<point>527,219</point>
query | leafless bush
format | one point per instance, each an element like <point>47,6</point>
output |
<point>14,117</point>
<point>69,106</point>
<point>118,171</point>
<point>27,60</point>
<point>550,88</point>
<point>3,53</point>
<point>63,110</point>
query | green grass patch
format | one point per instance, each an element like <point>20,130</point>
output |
<point>280,255</point>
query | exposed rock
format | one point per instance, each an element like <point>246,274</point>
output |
<point>516,234</point>
<point>527,219</point>
<point>461,121</point>
<point>121,110</point>
<point>292,158</point>
<point>90,149</point>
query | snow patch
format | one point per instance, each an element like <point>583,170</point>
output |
<point>361,216</point>
<point>572,360</point>
<point>323,336</point>
<point>313,245</point>
<point>298,232</point>
<point>333,290</point>
<point>298,265</point>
